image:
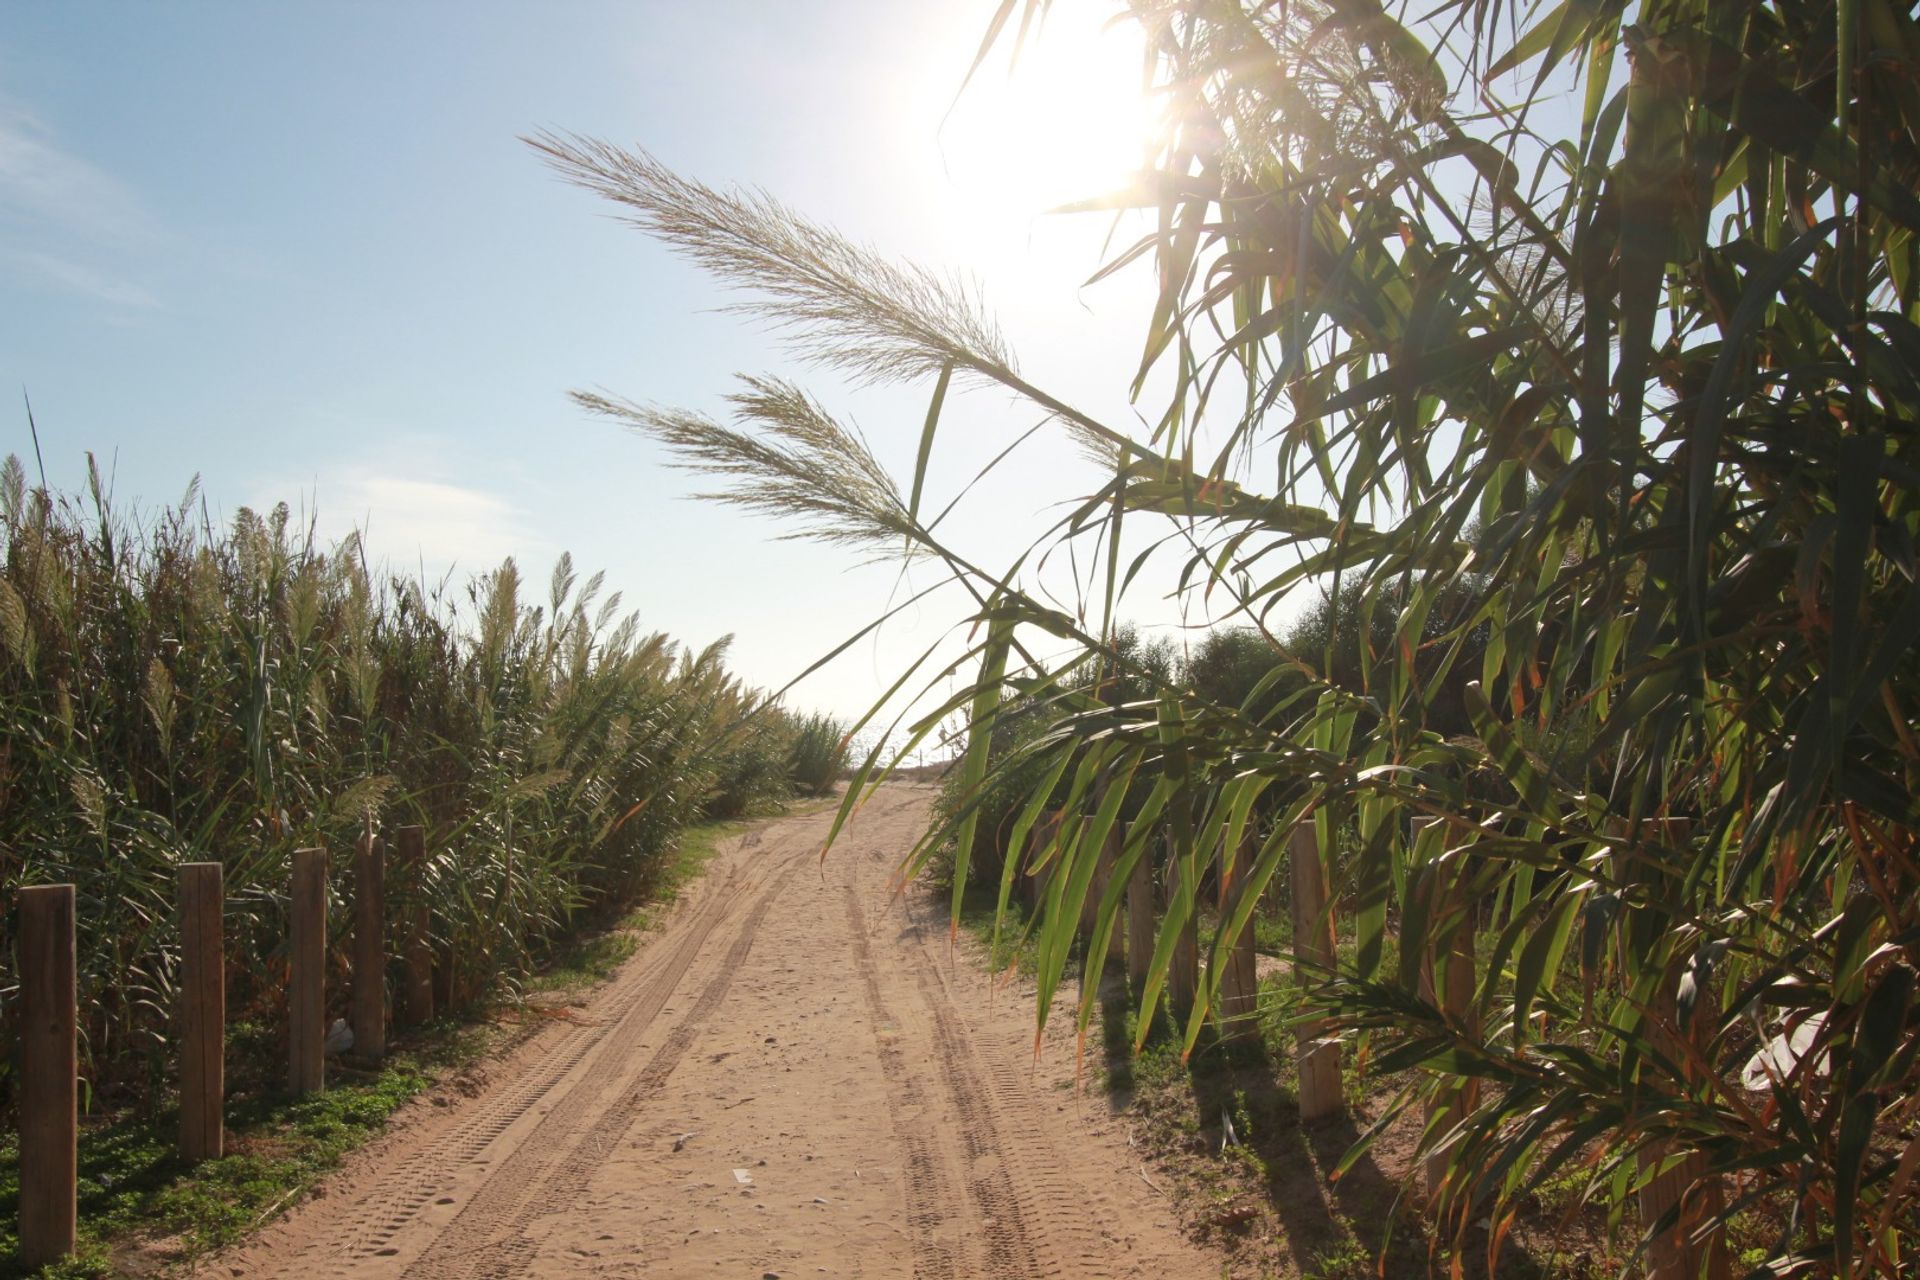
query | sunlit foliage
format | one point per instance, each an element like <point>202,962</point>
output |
<point>171,692</point>
<point>1573,352</point>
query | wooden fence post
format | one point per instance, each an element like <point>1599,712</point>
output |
<point>370,947</point>
<point>306,988</point>
<point>1317,1058</point>
<point>1183,971</point>
<point>203,1012</point>
<point>416,950</point>
<point>49,1075</point>
<point>1239,986</point>
<point>1140,917</point>
<point>1446,979</point>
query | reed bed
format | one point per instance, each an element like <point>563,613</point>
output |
<point>171,691</point>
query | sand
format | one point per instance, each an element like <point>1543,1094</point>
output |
<point>795,1077</point>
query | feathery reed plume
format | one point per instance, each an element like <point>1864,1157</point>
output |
<point>836,303</point>
<point>802,465</point>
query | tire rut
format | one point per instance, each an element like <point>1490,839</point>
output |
<point>1048,1232</point>
<point>928,1190</point>
<point>975,1166</point>
<point>489,1237</point>
<point>511,1256</point>
<point>1010,1246</point>
<point>378,1217</point>
<point>420,1178</point>
<point>1000,1209</point>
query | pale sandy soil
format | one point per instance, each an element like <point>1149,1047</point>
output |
<point>793,1078</point>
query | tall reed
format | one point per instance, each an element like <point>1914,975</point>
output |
<point>173,692</point>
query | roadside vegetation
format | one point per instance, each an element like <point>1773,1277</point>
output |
<point>138,1199</point>
<point>819,756</point>
<point>142,1207</point>
<point>172,692</point>
<point>1567,353</point>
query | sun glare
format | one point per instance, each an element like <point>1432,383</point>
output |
<point>1068,122</point>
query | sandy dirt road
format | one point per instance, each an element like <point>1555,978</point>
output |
<point>793,1078</point>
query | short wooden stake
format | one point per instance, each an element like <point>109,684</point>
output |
<point>417,949</point>
<point>1676,1254</point>
<point>1183,970</point>
<point>49,1074</point>
<point>1239,986</point>
<point>203,1012</point>
<point>1140,916</point>
<point>370,947</point>
<point>1317,1058</point>
<point>307,985</point>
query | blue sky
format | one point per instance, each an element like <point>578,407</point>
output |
<point>299,252</point>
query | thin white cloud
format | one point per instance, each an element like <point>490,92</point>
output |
<point>67,219</point>
<point>409,522</point>
<point>40,182</point>
<point>82,279</point>
<point>442,522</point>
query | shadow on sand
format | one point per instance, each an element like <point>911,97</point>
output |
<point>1333,1228</point>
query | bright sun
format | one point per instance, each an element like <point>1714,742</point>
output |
<point>1070,122</point>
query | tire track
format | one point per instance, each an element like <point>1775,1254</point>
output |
<point>1011,1250</point>
<point>1049,1233</point>
<point>976,1170</point>
<point>1000,1209</point>
<point>569,1180</point>
<point>378,1217</point>
<point>489,1237</point>
<point>384,1212</point>
<point>928,1191</point>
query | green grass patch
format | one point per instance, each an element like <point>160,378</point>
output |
<point>134,1188</point>
<point>587,961</point>
<point>596,952</point>
<point>692,851</point>
<point>1016,945</point>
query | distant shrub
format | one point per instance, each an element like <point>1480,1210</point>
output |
<point>819,753</point>
<point>752,776</point>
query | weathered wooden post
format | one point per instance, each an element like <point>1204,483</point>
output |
<point>1676,1254</point>
<point>203,1012</point>
<point>1140,917</point>
<point>49,1075</point>
<point>416,952</point>
<point>1239,1013</point>
<point>306,988</point>
<point>1317,1058</point>
<point>370,947</point>
<point>1446,979</point>
<point>1183,970</point>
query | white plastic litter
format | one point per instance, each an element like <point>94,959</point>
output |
<point>339,1037</point>
<point>1777,1058</point>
